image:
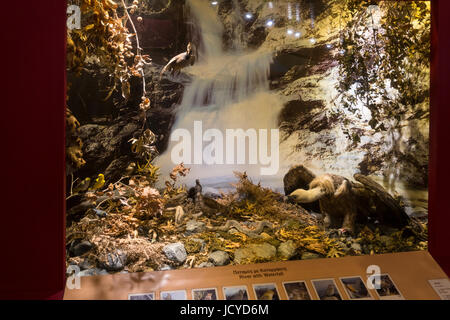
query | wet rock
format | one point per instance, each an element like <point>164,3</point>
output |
<point>287,249</point>
<point>219,258</point>
<point>254,252</point>
<point>114,261</point>
<point>92,272</point>
<point>78,248</point>
<point>310,256</point>
<point>175,252</point>
<point>194,226</point>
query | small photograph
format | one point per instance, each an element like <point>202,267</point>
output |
<point>326,289</point>
<point>142,296</point>
<point>388,290</point>
<point>235,293</point>
<point>266,291</point>
<point>173,295</point>
<point>296,290</point>
<point>355,288</point>
<point>204,294</point>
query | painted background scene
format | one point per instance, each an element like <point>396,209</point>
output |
<point>332,98</point>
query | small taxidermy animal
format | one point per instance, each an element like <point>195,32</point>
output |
<point>268,295</point>
<point>335,197</point>
<point>179,61</point>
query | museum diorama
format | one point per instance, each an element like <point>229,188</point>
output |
<point>202,134</point>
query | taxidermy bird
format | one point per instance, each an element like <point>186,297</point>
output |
<point>353,289</point>
<point>330,290</point>
<point>268,295</point>
<point>208,296</point>
<point>82,186</point>
<point>98,183</point>
<point>238,296</point>
<point>330,293</point>
<point>335,199</point>
<point>180,61</point>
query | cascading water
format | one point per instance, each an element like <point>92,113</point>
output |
<point>229,90</point>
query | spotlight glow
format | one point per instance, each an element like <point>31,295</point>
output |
<point>248,16</point>
<point>214,3</point>
<point>298,34</point>
<point>329,46</point>
<point>269,23</point>
<point>290,32</point>
<point>312,40</point>
<point>270,5</point>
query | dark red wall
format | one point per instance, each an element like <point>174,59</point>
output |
<point>439,186</point>
<point>32,147</point>
<point>32,98</point>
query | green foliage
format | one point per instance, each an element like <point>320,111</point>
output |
<point>384,47</point>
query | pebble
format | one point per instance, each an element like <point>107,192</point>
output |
<point>194,226</point>
<point>310,256</point>
<point>287,249</point>
<point>115,261</point>
<point>80,248</point>
<point>205,265</point>
<point>356,246</point>
<point>253,252</point>
<point>219,258</point>
<point>92,272</point>
<point>175,252</point>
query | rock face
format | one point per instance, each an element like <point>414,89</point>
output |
<point>108,125</point>
<point>305,74</point>
<point>175,252</point>
<point>255,252</point>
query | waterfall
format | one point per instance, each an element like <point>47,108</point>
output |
<point>229,90</point>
